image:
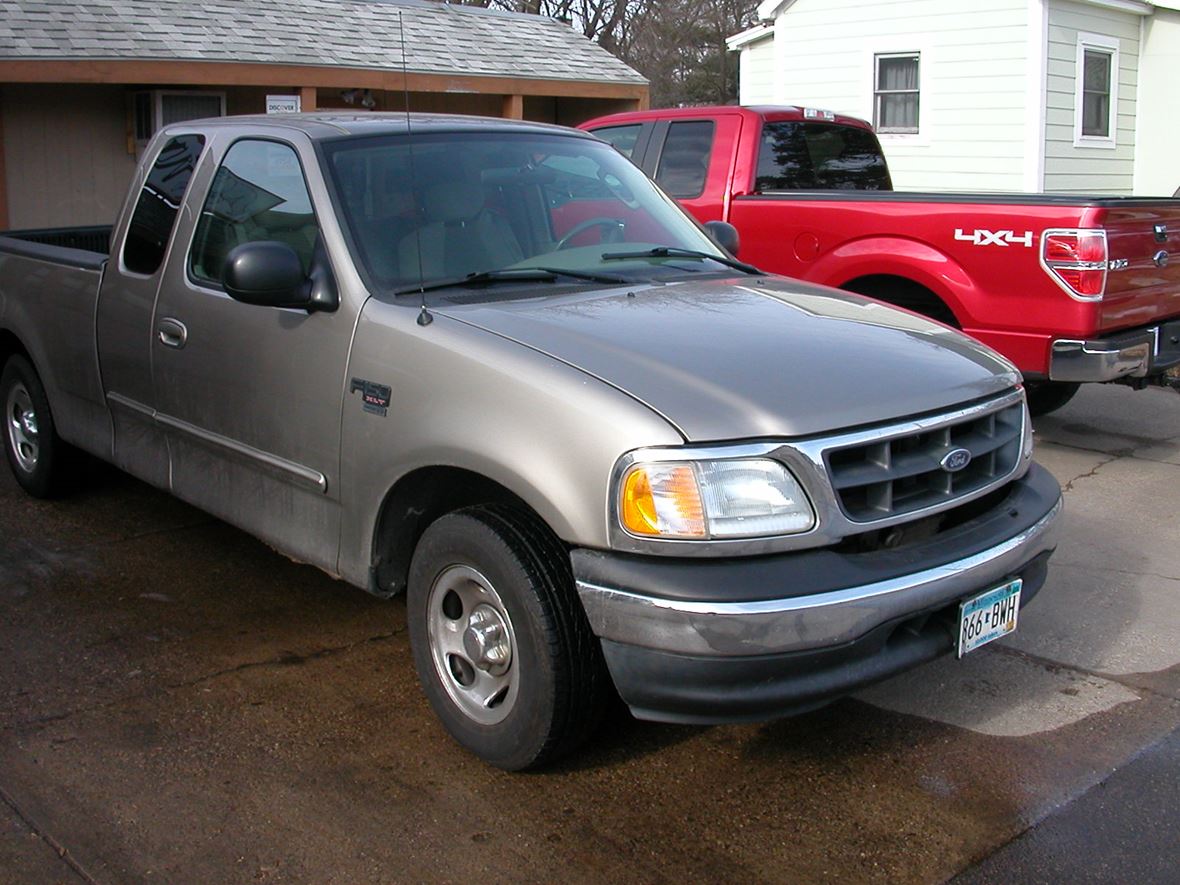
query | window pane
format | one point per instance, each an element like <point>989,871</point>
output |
<point>819,156</point>
<point>898,112</point>
<point>155,212</point>
<point>1096,82</point>
<point>258,194</point>
<point>176,108</point>
<point>1095,114</point>
<point>897,73</point>
<point>685,158</point>
<point>1097,71</point>
<point>622,137</point>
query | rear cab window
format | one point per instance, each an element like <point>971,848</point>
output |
<point>151,224</point>
<point>259,193</point>
<point>797,155</point>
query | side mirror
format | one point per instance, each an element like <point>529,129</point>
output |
<point>268,273</point>
<point>724,235</point>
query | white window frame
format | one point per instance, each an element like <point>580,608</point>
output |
<point>1110,46</point>
<point>915,54</point>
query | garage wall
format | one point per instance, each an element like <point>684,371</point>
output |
<point>65,154</point>
<point>1157,171</point>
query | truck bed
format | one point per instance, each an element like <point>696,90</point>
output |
<point>81,247</point>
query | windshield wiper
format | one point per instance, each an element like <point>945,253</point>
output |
<point>511,275</point>
<point>677,252</point>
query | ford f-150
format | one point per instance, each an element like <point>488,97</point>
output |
<point>490,364</point>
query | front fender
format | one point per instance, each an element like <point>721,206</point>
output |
<point>465,398</point>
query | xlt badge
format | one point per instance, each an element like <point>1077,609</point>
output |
<point>374,397</point>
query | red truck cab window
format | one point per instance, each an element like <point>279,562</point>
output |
<point>794,155</point>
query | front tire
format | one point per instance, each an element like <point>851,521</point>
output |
<point>500,641</point>
<point>39,458</point>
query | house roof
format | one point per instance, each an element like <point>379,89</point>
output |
<point>748,36</point>
<point>438,38</point>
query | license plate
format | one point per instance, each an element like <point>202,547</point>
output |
<point>988,616</point>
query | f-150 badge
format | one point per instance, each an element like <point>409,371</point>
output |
<point>1003,238</point>
<point>374,397</point>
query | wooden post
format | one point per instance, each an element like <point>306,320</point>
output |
<point>307,97</point>
<point>513,107</point>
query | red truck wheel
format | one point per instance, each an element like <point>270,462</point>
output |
<point>1049,396</point>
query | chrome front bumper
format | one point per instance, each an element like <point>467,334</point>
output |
<point>822,620</point>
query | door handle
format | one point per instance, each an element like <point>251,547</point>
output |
<point>172,332</point>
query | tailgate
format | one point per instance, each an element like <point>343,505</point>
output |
<point>1145,234</point>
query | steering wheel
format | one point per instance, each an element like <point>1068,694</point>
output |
<point>602,221</point>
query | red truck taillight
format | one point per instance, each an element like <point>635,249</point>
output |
<point>1076,260</point>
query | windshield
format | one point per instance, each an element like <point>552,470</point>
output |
<point>426,209</point>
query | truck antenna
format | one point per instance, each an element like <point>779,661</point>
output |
<point>424,317</point>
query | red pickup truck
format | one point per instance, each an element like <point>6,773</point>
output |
<point>1071,289</point>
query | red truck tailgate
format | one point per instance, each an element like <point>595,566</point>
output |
<point>1148,287</point>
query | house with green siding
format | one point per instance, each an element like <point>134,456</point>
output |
<point>1060,96</point>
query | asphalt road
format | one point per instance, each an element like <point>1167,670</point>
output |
<point>180,704</point>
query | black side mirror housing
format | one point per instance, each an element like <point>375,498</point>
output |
<point>724,235</point>
<point>268,273</point>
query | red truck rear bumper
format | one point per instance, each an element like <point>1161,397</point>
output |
<point>1138,353</point>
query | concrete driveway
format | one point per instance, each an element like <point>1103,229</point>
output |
<point>180,704</point>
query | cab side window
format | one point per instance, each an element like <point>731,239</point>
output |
<point>159,201</point>
<point>685,158</point>
<point>259,193</point>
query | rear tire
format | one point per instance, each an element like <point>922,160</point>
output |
<point>1049,396</point>
<point>39,458</point>
<point>500,642</point>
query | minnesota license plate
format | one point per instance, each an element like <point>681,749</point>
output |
<point>988,616</point>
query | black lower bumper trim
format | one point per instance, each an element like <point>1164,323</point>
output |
<point>668,687</point>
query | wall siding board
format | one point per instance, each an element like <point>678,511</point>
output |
<point>823,57</point>
<point>49,152</point>
<point>1098,170</point>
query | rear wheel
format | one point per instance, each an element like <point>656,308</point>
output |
<point>1049,396</point>
<point>39,458</point>
<point>500,642</point>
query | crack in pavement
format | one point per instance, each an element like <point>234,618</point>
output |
<point>1068,487</point>
<point>1057,563</point>
<point>41,833</point>
<point>287,659</point>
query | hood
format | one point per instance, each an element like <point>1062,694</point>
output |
<point>753,357</point>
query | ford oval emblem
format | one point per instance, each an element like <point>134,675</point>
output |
<point>955,460</point>
<point>1160,258</point>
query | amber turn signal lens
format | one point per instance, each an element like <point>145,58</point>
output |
<point>662,500</point>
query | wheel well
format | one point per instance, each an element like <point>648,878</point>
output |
<point>10,346</point>
<point>901,292</point>
<point>417,500</point>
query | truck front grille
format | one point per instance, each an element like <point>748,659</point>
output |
<point>901,473</point>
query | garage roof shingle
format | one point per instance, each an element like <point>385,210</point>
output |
<point>439,38</point>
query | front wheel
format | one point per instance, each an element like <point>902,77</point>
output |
<point>500,642</point>
<point>39,458</point>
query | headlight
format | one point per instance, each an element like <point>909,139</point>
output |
<point>739,498</point>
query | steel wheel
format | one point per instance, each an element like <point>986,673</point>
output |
<point>22,428</point>
<point>499,638</point>
<point>472,644</point>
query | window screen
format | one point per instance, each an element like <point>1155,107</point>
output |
<point>159,201</point>
<point>685,158</point>
<point>819,156</point>
<point>1096,93</point>
<point>896,93</point>
<point>258,194</point>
